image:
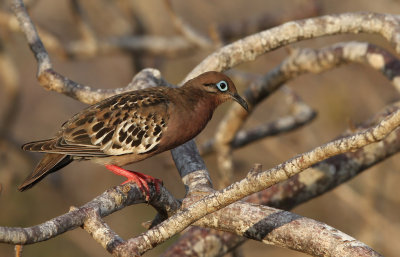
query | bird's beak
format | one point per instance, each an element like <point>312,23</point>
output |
<point>240,100</point>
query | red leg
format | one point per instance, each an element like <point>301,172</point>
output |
<point>140,179</point>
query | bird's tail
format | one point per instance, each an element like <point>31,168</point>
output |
<point>50,162</point>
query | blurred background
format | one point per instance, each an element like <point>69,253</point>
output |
<point>342,97</point>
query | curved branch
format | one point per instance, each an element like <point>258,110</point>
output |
<point>249,48</point>
<point>53,80</point>
<point>299,62</point>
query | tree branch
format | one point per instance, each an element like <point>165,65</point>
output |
<point>195,174</point>
<point>103,205</point>
<point>307,185</point>
<point>299,62</point>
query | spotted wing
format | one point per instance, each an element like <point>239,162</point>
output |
<point>132,122</point>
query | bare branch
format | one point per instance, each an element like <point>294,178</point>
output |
<point>271,226</point>
<point>252,46</point>
<point>304,186</point>
<point>100,231</point>
<point>256,182</point>
<point>110,201</point>
<point>299,62</point>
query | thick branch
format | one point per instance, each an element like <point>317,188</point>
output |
<point>255,182</point>
<point>303,187</point>
<point>272,226</point>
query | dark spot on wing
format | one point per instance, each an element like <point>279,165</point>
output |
<point>122,135</point>
<point>135,131</point>
<point>157,130</point>
<point>102,132</point>
<point>162,123</point>
<point>106,115</point>
<point>98,126</point>
<point>136,143</point>
<point>123,100</point>
<point>129,139</point>
<point>107,138</point>
<point>116,122</point>
<point>131,128</point>
<point>140,134</point>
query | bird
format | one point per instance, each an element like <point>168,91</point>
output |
<point>133,126</point>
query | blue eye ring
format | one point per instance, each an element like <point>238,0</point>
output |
<point>222,86</point>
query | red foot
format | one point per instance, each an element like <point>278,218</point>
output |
<point>140,179</point>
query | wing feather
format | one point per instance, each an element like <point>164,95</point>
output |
<point>131,122</point>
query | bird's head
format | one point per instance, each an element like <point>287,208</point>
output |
<point>219,86</point>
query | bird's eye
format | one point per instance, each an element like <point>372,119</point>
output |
<point>222,86</point>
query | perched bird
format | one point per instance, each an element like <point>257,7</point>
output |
<point>133,126</point>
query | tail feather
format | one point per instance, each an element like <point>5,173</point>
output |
<point>50,162</point>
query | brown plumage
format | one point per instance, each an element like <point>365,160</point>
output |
<point>133,126</point>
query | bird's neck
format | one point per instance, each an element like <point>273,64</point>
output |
<point>201,105</point>
<point>193,113</point>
